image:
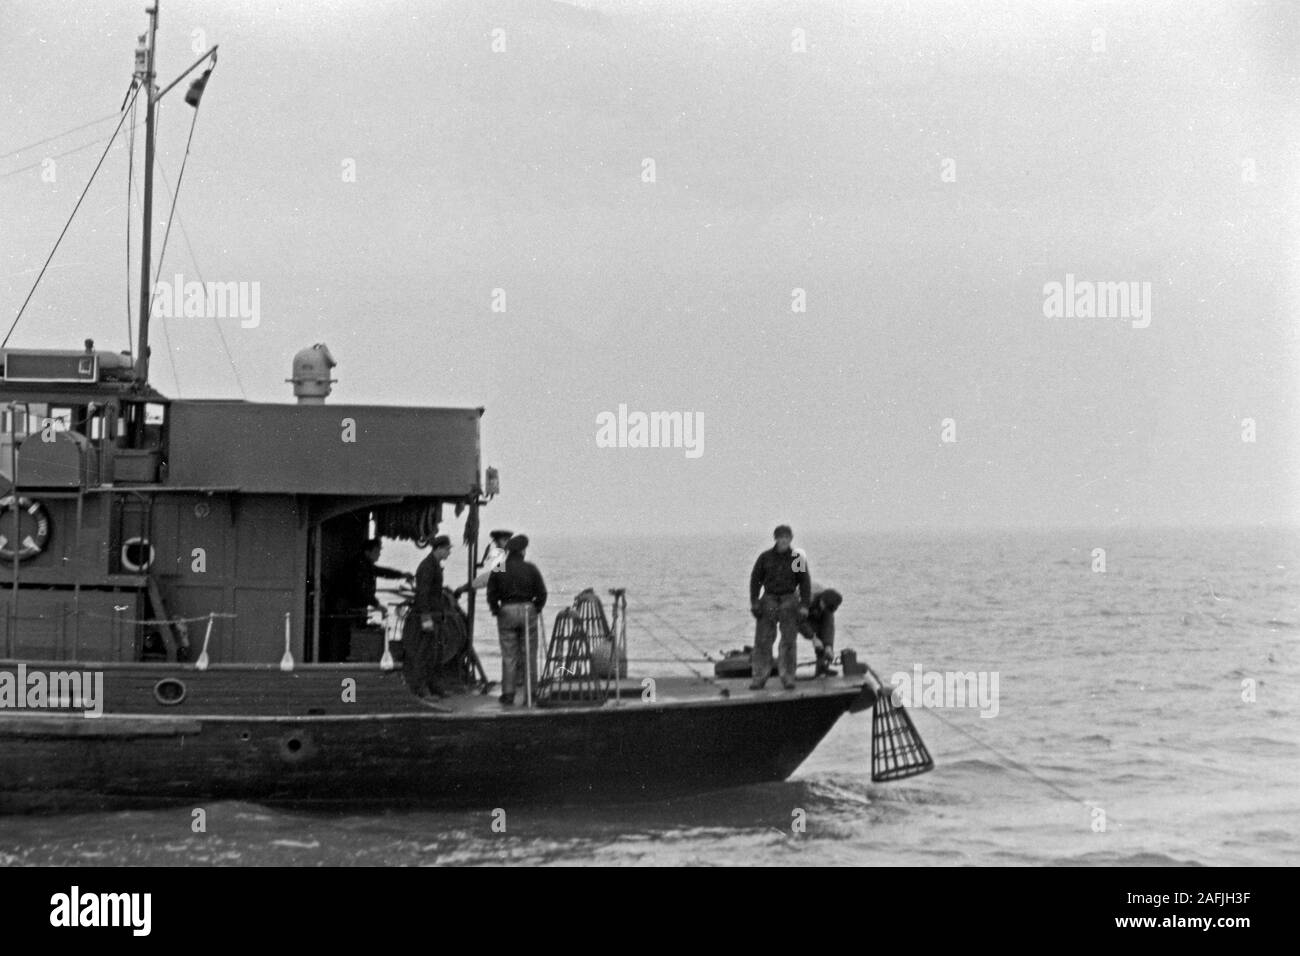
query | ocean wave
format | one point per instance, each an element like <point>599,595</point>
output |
<point>1273,836</point>
<point>976,765</point>
<point>1120,859</point>
<point>1257,742</point>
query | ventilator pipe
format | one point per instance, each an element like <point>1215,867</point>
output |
<point>311,374</point>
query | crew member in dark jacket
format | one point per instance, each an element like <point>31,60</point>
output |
<point>351,604</point>
<point>424,622</point>
<point>516,594</point>
<point>819,626</point>
<point>366,571</point>
<point>782,575</point>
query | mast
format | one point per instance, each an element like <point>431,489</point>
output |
<point>146,280</point>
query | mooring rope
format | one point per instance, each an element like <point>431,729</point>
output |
<point>151,623</point>
<point>1010,761</point>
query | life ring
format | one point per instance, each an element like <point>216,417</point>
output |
<point>33,543</point>
<point>131,550</point>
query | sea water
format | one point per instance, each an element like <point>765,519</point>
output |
<point>1148,711</point>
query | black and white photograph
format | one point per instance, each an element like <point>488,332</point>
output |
<point>651,433</point>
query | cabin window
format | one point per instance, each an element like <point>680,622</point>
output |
<point>145,424</point>
<point>154,423</point>
<point>27,419</point>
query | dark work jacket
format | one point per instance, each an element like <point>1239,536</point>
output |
<point>518,581</point>
<point>774,574</point>
<point>428,586</point>
<point>364,574</point>
<point>821,619</point>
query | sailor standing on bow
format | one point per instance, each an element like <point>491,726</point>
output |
<point>781,574</point>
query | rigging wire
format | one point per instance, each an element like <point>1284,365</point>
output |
<point>89,182</point>
<point>162,252</point>
<point>50,139</point>
<point>68,152</point>
<point>199,272</point>
<point>686,640</point>
<point>682,660</point>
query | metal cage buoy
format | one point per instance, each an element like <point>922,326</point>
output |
<point>897,750</point>
<point>569,675</point>
<point>591,618</point>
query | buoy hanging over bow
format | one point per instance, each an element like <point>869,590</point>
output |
<point>897,750</point>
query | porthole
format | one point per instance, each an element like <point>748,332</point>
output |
<point>169,691</point>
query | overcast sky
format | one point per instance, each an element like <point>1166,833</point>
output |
<point>921,171</point>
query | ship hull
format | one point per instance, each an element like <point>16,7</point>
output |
<point>697,736</point>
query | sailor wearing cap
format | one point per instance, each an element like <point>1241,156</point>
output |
<point>425,621</point>
<point>819,626</point>
<point>515,596</point>
<point>782,575</point>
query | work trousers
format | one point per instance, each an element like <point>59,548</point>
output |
<point>773,611</point>
<point>422,653</point>
<point>513,622</point>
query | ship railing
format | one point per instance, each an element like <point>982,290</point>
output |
<point>120,627</point>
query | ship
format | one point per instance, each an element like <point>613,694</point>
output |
<point>166,568</point>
